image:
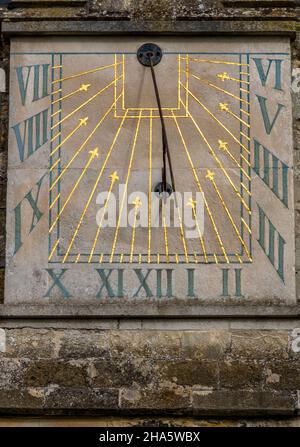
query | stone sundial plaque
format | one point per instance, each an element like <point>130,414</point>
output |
<point>86,152</point>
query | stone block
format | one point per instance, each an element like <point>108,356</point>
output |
<point>31,343</point>
<point>83,344</point>
<point>282,375</point>
<point>190,373</point>
<point>210,345</point>
<point>12,372</point>
<point>149,344</point>
<point>237,374</point>
<point>77,398</point>
<point>162,399</point>
<point>121,373</point>
<point>259,344</point>
<point>236,402</point>
<point>13,400</point>
<point>42,373</point>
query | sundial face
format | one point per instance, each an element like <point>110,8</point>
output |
<point>87,151</point>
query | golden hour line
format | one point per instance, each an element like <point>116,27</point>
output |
<point>158,258</point>
<point>187,81</point>
<point>178,87</point>
<point>219,163</point>
<point>56,91</point>
<point>82,122</point>
<point>94,70</point>
<point>204,81</point>
<point>95,186</point>
<point>55,136</point>
<point>54,201</point>
<point>246,225</point>
<point>77,258</point>
<point>223,106</point>
<point>84,104</point>
<point>53,250</point>
<point>244,111</point>
<point>121,258</point>
<point>140,258</point>
<point>245,136</point>
<point>246,189</point>
<point>244,90</point>
<point>54,165</point>
<point>150,187</point>
<point>182,235</point>
<point>82,88</point>
<point>82,146</point>
<point>217,120</point>
<point>137,203</point>
<point>245,160</point>
<point>192,204</point>
<point>201,190</point>
<point>239,258</point>
<point>244,73</point>
<point>176,258</point>
<point>214,61</point>
<point>123,81</point>
<point>223,146</point>
<point>225,76</point>
<point>56,113</point>
<point>196,258</point>
<point>125,189</point>
<point>56,66</point>
<point>165,230</point>
<point>93,154</point>
<point>216,258</point>
<point>101,258</point>
<point>114,177</point>
<point>211,177</point>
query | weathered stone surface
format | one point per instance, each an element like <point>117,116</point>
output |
<point>76,398</point>
<point>238,374</point>
<point>243,402</point>
<point>83,344</point>
<point>259,345</point>
<point>14,400</point>
<point>205,345</point>
<point>43,373</point>
<point>121,373</point>
<point>161,399</point>
<point>190,373</point>
<point>146,344</point>
<point>282,375</point>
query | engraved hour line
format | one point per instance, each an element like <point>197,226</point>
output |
<point>85,103</point>
<point>82,122</point>
<point>137,203</point>
<point>220,164</point>
<point>192,204</point>
<point>125,188</point>
<point>94,188</point>
<point>82,88</point>
<point>201,190</point>
<point>83,145</point>
<point>217,120</point>
<point>94,70</point>
<point>204,81</point>
<point>114,177</point>
<point>53,250</point>
<point>93,154</point>
<point>210,176</point>
<point>56,113</point>
<point>215,61</point>
<point>55,136</point>
<point>150,187</point>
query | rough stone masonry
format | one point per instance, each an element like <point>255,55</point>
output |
<point>234,358</point>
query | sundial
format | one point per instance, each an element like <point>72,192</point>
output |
<point>149,169</point>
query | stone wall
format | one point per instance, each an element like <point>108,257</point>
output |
<point>199,368</point>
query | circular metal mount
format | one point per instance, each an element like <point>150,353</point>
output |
<point>160,192</point>
<point>149,51</point>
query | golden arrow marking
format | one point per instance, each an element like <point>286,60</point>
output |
<point>225,76</point>
<point>224,108</point>
<point>82,88</point>
<point>223,145</point>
